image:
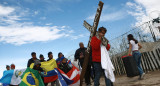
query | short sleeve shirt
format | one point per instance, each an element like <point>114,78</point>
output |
<point>134,45</point>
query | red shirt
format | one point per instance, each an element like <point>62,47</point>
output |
<point>96,49</point>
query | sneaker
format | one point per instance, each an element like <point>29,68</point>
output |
<point>142,76</point>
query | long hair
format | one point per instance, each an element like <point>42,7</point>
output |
<point>130,37</point>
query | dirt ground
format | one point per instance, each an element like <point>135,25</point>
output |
<point>150,79</point>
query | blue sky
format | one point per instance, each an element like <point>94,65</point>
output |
<point>57,25</point>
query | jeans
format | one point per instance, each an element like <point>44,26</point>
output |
<point>98,71</point>
<point>137,57</point>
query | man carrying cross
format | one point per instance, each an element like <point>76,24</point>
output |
<point>100,57</point>
<point>96,42</point>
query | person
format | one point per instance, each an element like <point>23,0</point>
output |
<point>7,67</point>
<point>96,42</point>
<point>64,66</point>
<point>80,54</point>
<point>41,57</point>
<point>134,47</point>
<point>50,57</point>
<point>12,66</point>
<point>30,61</point>
<point>59,59</point>
<point>37,65</point>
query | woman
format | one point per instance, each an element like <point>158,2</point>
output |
<point>134,46</point>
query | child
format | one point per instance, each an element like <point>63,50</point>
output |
<point>37,67</point>
<point>64,66</point>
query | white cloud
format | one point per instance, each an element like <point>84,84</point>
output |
<point>29,34</point>
<point>142,10</point>
<point>8,15</point>
<point>4,11</point>
<point>13,31</point>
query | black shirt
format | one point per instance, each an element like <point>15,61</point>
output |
<point>77,54</point>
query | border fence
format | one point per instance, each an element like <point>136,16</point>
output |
<point>148,34</point>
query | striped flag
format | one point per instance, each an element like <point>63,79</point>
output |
<point>12,77</point>
<point>72,78</point>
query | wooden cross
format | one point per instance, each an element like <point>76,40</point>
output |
<point>93,30</point>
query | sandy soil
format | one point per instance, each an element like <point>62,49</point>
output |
<point>150,79</point>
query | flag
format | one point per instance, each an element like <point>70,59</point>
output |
<point>12,77</point>
<point>31,77</point>
<point>47,65</point>
<point>72,77</point>
<point>62,82</point>
<point>49,74</point>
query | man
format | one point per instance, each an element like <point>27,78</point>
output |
<point>7,67</point>
<point>37,65</point>
<point>30,61</point>
<point>58,60</point>
<point>64,66</point>
<point>96,42</point>
<point>80,54</point>
<point>41,57</point>
<point>50,56</point>
<point>12,66</point>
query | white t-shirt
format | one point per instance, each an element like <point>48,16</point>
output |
<point>134,45</point>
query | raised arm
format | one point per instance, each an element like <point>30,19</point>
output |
<point>130,47</point>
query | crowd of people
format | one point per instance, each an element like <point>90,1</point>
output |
<point>61,63</point>
<point>94,68</point>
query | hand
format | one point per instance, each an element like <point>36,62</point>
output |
<point>81,56</point>
<point>100,38</point>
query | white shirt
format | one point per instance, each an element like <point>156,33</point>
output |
<point>134,45</point>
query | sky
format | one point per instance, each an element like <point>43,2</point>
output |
<point>57,25</point>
